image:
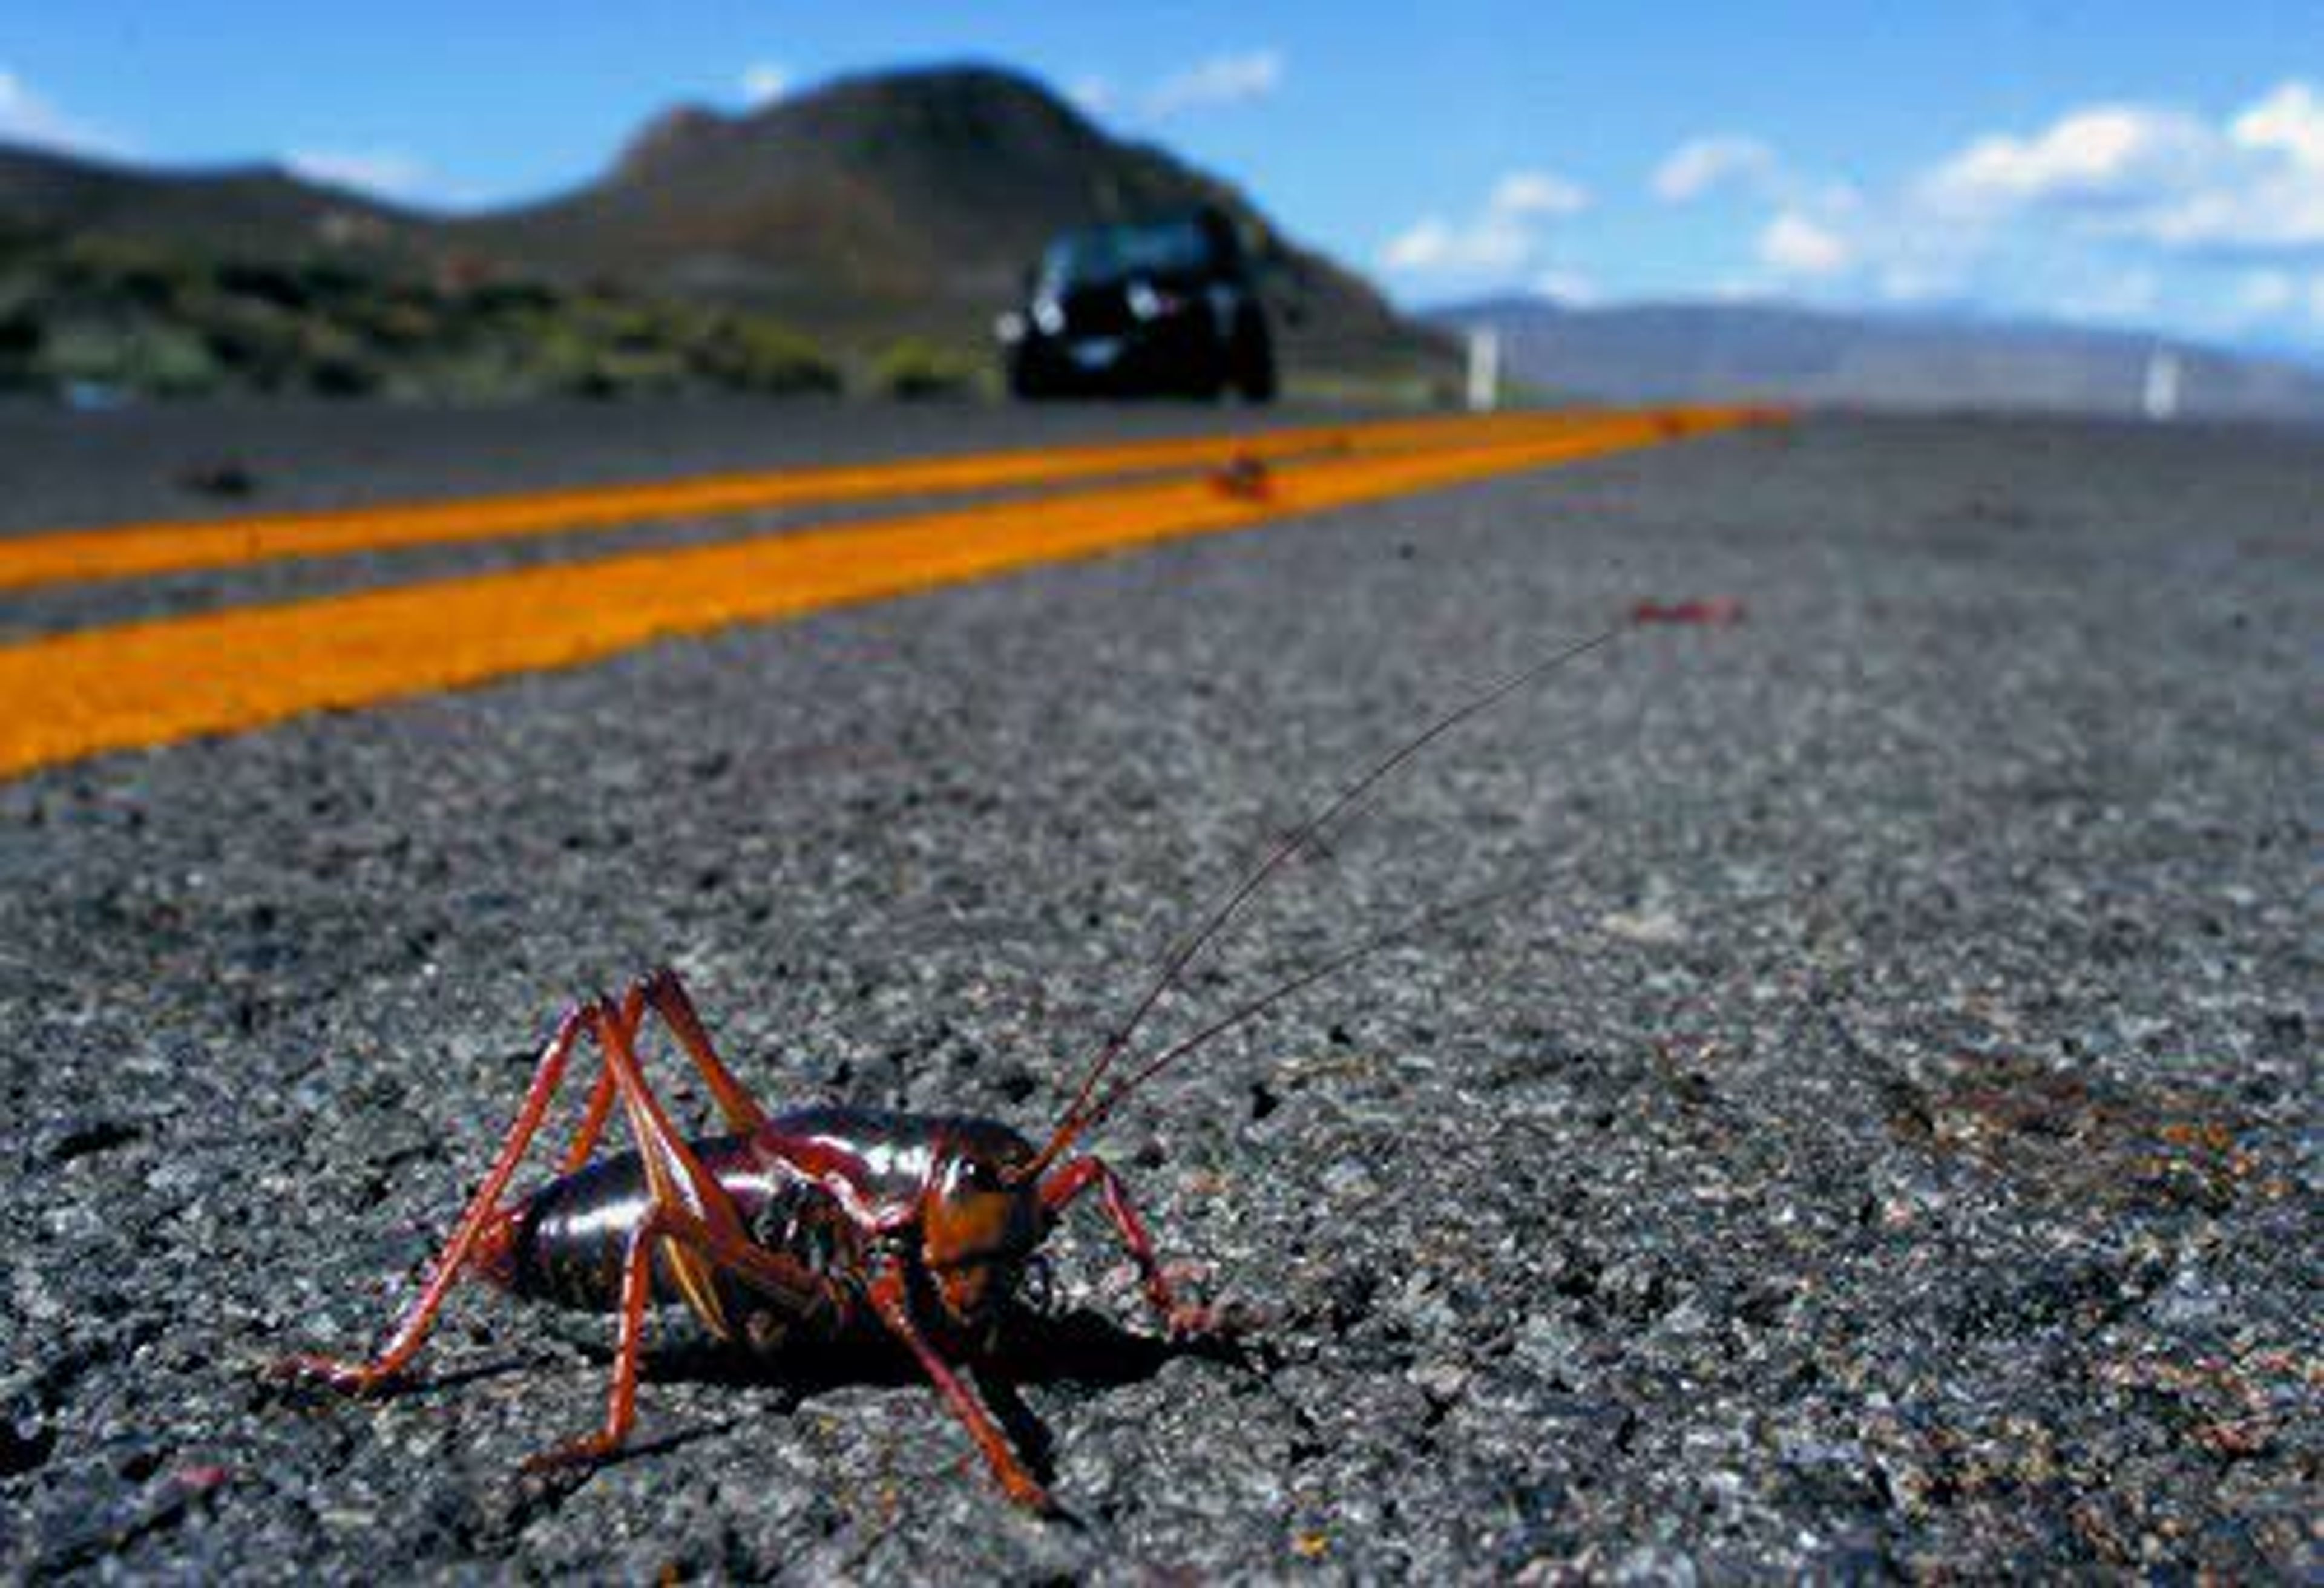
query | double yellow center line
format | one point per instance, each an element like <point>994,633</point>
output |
<point>120,551</point>
<point>122,686</point>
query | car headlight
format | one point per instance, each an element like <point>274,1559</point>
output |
<point>1048,316</point>
<point>1009,326</point>
<point>1146,302</point>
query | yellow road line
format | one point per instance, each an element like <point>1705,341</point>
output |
<point>147,683</point>
<point>134,550</point>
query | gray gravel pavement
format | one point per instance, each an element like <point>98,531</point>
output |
<point>1885,1145</point>
<point>162,461</point>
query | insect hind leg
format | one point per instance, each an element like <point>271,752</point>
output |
<point>667,996</point>
<point>691,1223</point>
<point>412,1331</point>
<point>483,1241</point>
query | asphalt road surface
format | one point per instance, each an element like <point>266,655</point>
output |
<point>1879,1140</point>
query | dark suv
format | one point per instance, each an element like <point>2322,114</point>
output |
<point>1164,306</point>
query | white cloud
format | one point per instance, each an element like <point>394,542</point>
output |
<point>1502,237</point>
<point>2102,212</point>
<point>2278,215</point>
<point>2265,294</point>
<point>1425,245</point>
<point>1567,286</point>
<point>1537,192</point>
<point>1797,245</point>
<point>1221,80</point>
<point>2253,183</point>
<point>2290,119</point>
<point>2107,212</point>
<point>388,174</point>
<point>26,117</point>
<point>2265,200</point>
<point>1704,164</point>
<point>1094,96</point>
<point>2106,152</point>
<point>763,82</point>
<point>2125,295</point>
<point>1494,245</point>
<point>383,174</point>
<point>1908,283</point>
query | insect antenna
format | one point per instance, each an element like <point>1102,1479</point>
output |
<point>1079,1113</point>
<point>1416,927</point>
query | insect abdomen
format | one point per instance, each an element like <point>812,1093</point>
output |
<point>564,1243</point>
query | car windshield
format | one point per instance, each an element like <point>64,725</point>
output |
<point>1112,253</point>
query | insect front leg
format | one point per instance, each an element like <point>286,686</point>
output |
<point>892,1298</point>
<point>1179,1318</point>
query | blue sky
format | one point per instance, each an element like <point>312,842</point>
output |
<point>2125,164</point>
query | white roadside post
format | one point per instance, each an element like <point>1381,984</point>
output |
<point>1484,369</point>
<point>2161,398</point>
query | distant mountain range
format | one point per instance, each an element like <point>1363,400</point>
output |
<point>878,206</point>
<point>251,211</point>
<point>1720,351</point>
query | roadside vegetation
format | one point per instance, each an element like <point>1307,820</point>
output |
<point>99,318</point>
<point>913,367</point>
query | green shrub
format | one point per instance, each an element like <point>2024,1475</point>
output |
<point>914,368</point>
<point>750,353</point>
<point>165,360</point>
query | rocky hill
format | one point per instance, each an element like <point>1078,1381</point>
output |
<point>898,206</point>
<point>906,201</point>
